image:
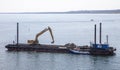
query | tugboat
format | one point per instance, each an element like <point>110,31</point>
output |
<point>101,49</point>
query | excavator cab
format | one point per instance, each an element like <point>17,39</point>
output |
<point>40,33</point>
<point>32,42</point>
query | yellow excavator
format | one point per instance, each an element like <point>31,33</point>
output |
<point>40,33</point>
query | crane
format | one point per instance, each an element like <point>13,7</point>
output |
<point>40,33</point>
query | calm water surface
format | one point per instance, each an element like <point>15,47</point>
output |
<point>67,28</point>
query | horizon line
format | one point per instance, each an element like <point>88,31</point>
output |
<point>59,11</point>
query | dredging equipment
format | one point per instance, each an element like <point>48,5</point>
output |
<point>40,33</point>
<point>33,45</point>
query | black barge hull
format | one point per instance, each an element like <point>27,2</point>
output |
<point>37,47</point>
<point>56,49</point>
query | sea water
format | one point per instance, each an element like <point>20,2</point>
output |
<point>66,28</point>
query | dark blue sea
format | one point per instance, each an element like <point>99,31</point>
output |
<point>67,28</point>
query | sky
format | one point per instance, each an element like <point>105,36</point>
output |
<point>56,5</point>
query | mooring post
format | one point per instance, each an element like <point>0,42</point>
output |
<point>100,32</point>
<point>17,33</point>
<point>95,35</point>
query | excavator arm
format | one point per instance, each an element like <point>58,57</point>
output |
<point>40,33</point>
<point>50,30</point>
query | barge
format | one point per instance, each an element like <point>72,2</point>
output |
<point>37,48</point>
<point>33,45</point>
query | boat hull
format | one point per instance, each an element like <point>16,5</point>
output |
<point>79,52</point>
<point>100,51</point>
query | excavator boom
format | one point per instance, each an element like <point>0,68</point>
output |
<point>40,33</point>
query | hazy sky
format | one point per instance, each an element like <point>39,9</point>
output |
<point>56,5</point>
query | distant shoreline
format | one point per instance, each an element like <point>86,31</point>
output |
<point>70,12</point>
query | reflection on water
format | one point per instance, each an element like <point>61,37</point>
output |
<point>56,61</point>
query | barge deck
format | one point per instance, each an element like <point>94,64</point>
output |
<point>37,47</point>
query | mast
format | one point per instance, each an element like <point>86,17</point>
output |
<point>100,33</point>
<point>107,38</point>
<point>95,35</point>
<point>17,33</point>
